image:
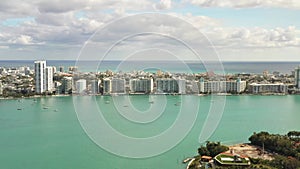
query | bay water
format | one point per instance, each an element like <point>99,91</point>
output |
<point>46,133</point>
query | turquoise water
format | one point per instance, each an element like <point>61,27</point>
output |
<point>194,66</point>
<point>36,138</point>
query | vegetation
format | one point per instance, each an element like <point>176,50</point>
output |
<point>212,149</point>
<point>286,150</point>
<point>286,146</point>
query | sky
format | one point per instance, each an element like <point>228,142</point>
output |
<point>228,30</point>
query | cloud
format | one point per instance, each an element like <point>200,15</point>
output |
<point>4,47</point>
<point>163,5</point>
<point>246,3</point>
<point>58,28</point>
<point>255,37</point>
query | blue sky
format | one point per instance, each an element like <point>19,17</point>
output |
<point>242,30</point>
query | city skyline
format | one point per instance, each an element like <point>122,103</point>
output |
<point>238,30</point>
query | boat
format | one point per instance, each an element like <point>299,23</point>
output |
<point>177,104</point>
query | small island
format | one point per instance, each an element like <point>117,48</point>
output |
<point>265,151</point>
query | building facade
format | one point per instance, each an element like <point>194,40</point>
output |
<point>267,88</point>
<point>95,86</point>
<point>67,85</point>
<point>141,85</point>
<point>106,86</point>
<point>297,77</point>
<point>118,86</point>
<point>237,86</point>
<point>170,85</point>
<point>80,86</point>
<point>1,88</point>
<point>40,76</point>
<point>43,77</point>
<point>49,78</point>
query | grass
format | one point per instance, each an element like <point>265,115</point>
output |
<point>220,156</point>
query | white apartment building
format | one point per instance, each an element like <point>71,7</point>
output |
<point>80,86</point>
<point>106,86</point>
<point>267,88</point>
<point>114,86</point>
<point>49,78</point>
<point>170,85</point>
<point>1,88</point>
<point>40,76</point>
<point>43,77</point>
<point>95,86</point>
<point>237,86</point>
<point>141,85</point>
<point>118,85</point>
<point>297,77</point>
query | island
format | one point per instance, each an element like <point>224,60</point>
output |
<point>265,151</point>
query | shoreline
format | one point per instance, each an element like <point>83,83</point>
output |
<point>200,95</point>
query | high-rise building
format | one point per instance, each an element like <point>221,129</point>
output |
<point>237,86</point>
<point>67,85</point>
<point>49,78</point>
<point>40,76</point>
<point>43,77</point>
<point>73,69</point>
<point>1,88</point>
<point>80,86</point>
<point>106,86</point>
<point>61,69</point>
<point>118,85</point>
<point>95,86</point>
<point>268,88</point>
<point>170,85</point>
<point>297,77</point>
<point>141,85</point>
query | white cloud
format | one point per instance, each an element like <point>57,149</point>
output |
<point>163,4</point>
<point>246,3</point>
<point>4,47</point>
<point>56,27</point>
<point>22,40</point>
<point>255,37</point>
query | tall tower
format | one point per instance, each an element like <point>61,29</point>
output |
<point>297,77</point>
<point>49,78</point>
<point>40,76</point>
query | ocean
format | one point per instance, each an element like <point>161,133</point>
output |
<point>170,66</point>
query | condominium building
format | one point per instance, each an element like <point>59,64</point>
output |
<point>118,85</point>
<point>141,85</point>
<point>95,86</point>
<point>297,77</point>
<point>43,77</point>
<point>170,85</point>
<point>1,88</point>
<point>267,88</point>
<point>40,76</point>
<point>80,86</point>
<point>61,69</point>
<point>73,69</point>
<point>67,85</point>
<point>237,86</point>
<point>49,78</point>
<point>106,86</point>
